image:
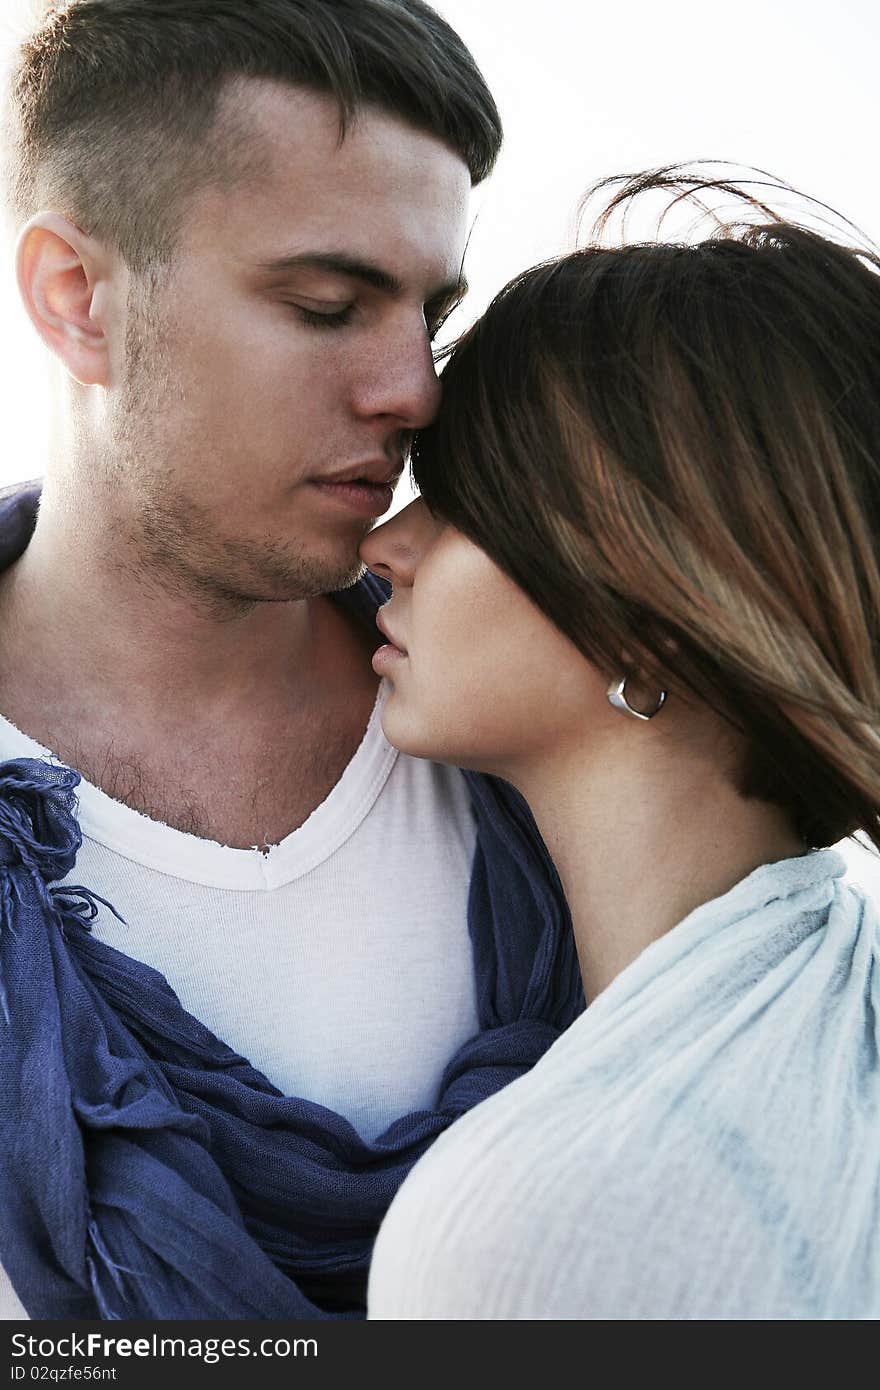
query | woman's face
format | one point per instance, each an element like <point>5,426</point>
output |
<point>480,677</point>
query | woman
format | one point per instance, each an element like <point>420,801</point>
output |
<point>641,585</point>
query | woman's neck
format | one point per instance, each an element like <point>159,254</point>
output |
<point>642,839</point>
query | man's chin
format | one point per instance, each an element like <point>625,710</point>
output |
<point>349,579</point>
<point>307,578</point>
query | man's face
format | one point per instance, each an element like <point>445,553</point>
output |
<point>289,343</point>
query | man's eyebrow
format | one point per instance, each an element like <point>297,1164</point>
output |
<point>366,271</point>
<point>451,292</point>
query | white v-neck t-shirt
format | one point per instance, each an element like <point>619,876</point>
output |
<point>339,962</point>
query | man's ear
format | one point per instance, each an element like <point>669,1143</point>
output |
<point>64,280</point>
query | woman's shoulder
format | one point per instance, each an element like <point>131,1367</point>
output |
<point>667,1202</point>
<point>678,1152</point>
<point>550,1212</point>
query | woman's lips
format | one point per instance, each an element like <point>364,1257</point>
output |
<point>384,658</point>
<point>391,653</point>
<point>382,625</point>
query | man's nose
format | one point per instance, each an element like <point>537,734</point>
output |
<point>394,550</point>
<point>400,382</point>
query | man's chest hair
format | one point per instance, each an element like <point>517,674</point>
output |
<point>238,797</point>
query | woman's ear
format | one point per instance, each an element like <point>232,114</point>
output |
<point>63,277</point>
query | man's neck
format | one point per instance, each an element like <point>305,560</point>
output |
<point>248,715</point>
<point>159,625</point>
<point>97,611</point>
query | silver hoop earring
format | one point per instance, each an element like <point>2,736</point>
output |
<point>617,698</point>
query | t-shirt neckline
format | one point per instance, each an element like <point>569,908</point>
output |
<point>188,857</point>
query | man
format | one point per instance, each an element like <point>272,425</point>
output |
<point>241,224</point>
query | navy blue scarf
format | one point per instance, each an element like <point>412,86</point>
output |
<point>146,1169</point>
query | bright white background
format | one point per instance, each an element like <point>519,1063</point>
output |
<point>587,90</point>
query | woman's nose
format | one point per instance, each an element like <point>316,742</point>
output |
<point>394,549</point>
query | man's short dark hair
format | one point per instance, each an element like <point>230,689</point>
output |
<point>114,102</point>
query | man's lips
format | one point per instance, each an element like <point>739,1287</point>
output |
<point>377,471</point>
<point>366,499</point>
<point>365,488</point>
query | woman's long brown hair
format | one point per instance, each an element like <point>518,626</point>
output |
<point>675,451</point>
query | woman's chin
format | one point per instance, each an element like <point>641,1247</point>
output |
<point>418,742</point>
<point>401,734</point>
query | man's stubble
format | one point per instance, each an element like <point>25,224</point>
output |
<point>172,539</point>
